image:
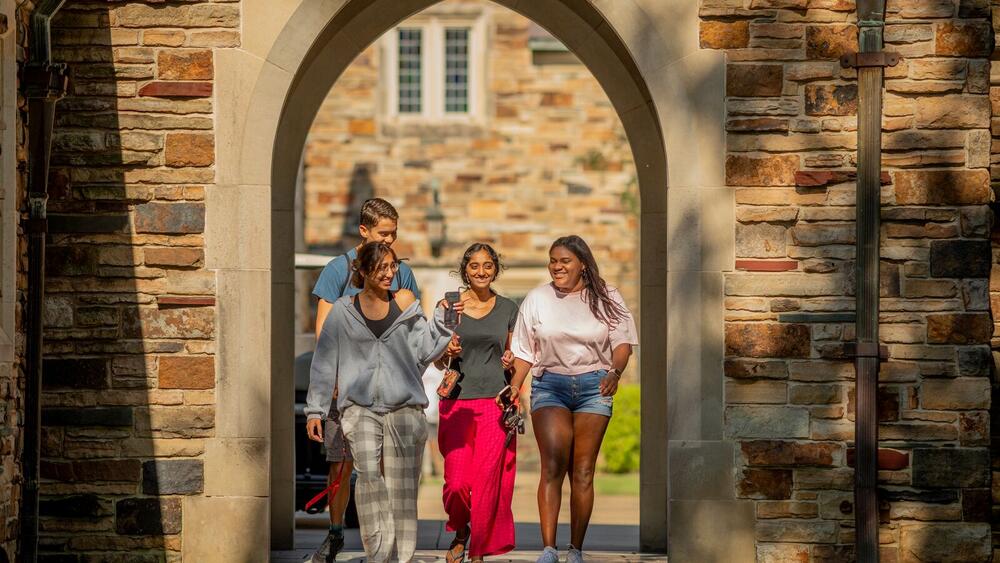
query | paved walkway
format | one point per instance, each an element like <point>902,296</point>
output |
<point>617,543</point>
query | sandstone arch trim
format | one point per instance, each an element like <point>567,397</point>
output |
<point>669,95</point>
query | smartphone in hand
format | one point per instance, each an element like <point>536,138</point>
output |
<point>450,316</point>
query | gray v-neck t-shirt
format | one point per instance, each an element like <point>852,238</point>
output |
<point>483,343</point>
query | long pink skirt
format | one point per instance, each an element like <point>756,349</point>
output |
<point>478,474</point>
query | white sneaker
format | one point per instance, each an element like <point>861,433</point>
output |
<point>549,555</point>
<point>574,555</point>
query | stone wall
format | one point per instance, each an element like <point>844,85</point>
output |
<point>13,28</point>
<point>130,317</point>
<point>548,157</point>
<point>789,308</point>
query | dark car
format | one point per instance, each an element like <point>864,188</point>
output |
<point>311,467</point>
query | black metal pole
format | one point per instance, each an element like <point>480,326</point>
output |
<point>870,26</point>
<point>43,84</point>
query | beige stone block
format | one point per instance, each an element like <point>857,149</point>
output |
<point>701,470</point>
<point>649,154</point>
<point>761,392</point>
<point>952,111</point>
<point>236,236</point>
<point>167,447</point>
<point>712,530</point>
<point>263,22</point>
<point>794,285</point>
<point>690,102</point>
<point>222,529</point>
<point>701,229</point>
<point>947,543</point>
<point>695,355</point>
<point>243,387</point>
<point>237,467</point>
<point>960,393</point>
<point>654,249</point>
<point>977,149</point>
<point>303,29</point>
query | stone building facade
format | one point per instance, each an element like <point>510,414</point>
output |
<point>159,344</point>
<point>540,153</point>
<point>791,142</point>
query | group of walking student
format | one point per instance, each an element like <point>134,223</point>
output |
<point>366,397</point>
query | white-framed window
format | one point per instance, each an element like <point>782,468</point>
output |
<point>433,68</point>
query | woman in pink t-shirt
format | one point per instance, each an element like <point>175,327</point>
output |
<point>575,335</point>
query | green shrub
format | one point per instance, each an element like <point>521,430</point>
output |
<point>620,450</point>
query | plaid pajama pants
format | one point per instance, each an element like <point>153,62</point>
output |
<point>387,505</point>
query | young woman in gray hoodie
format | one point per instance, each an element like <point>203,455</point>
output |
<point>372,351</point>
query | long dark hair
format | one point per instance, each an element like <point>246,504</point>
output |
<point>368,260</point>
<point>467,257</point>
<point>595,290</point>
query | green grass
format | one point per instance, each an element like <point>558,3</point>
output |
<point>617,484</point>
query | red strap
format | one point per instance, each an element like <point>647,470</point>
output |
<point>332,489</point>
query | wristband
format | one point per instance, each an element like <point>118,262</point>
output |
<point>616,372</point>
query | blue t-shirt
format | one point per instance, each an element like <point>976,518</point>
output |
<point>335,280</point>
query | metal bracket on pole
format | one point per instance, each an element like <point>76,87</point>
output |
<point>45,81</point>
<point>878,58</point>
<point>866,350</point>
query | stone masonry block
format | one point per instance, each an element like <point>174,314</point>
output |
<point>944,542</point>
<point>170,218</point>
<point>187,372</point>
<point>766,422</point>
<point>954,111</point>
<point>761,240</point>
<point>767,340</point>
<point>724,35</point>
<point>753,80</point>
<point>960,259</point>
<point>785,453</point>
<point>190,149</point>
<point>954,394</point>
<point>964,39</point>
<point>942,187</point>
<point>951,467</point>
<point>75,373</point>
<point>827,99</point>
<point>959,328</point>
<point>173,477</point>
<point>830,41</point>
<point>148,516</point>
<point>778,170</point>
<point>775,484</point>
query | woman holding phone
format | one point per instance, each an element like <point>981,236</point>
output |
<point>373,349</point>
<point>575,335</point>
<point>479,459</point>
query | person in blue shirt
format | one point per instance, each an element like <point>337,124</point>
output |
<point>379,221</point>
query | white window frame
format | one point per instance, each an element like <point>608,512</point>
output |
<point>432,68</point>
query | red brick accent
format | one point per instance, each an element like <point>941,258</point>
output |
<point>767,265</point>
<point>166,301</point>
<point>889,460</point>
<point>177,89</point>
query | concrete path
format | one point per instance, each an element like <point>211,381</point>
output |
<point>616,543</point>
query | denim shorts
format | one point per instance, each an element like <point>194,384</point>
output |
<point>575,393</point>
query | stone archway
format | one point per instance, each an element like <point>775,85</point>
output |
<point>670,97</point>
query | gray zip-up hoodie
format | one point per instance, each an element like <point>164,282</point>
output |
<point>380,374</point>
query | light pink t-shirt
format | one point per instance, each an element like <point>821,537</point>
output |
<point>557,333</point>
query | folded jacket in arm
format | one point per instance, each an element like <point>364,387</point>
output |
<point>380,374</point>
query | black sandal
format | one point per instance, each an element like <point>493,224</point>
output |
<point>451,556</point>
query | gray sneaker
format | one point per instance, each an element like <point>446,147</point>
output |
<point>549,555</point>
<point>327,552</point>
<point>574,555</point>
